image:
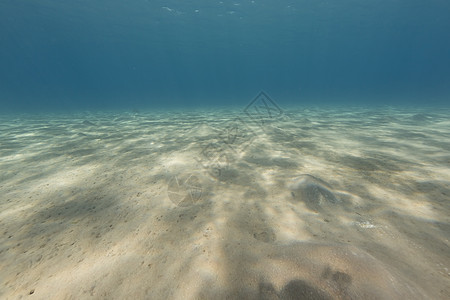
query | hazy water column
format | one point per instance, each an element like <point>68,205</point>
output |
<point>57,54</point>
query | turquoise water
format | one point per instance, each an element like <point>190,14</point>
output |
<point>70,55</point>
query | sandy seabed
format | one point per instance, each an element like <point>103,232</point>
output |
<point>308,204</point>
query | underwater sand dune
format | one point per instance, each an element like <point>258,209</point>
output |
<point>316,204</point>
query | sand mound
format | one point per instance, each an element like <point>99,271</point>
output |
<point>314,192</point>
<point>314,271</point>
<point>334,272</point>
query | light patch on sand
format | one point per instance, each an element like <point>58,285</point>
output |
<point>290,227</point>
<point>364,224</point>
<point>13,212</point>
<point>410,205</point>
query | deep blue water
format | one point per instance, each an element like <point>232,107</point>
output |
<point>105,54</point>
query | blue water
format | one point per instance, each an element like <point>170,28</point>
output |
<point>108,54</point>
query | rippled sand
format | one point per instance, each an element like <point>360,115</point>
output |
<point>307,204</point>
